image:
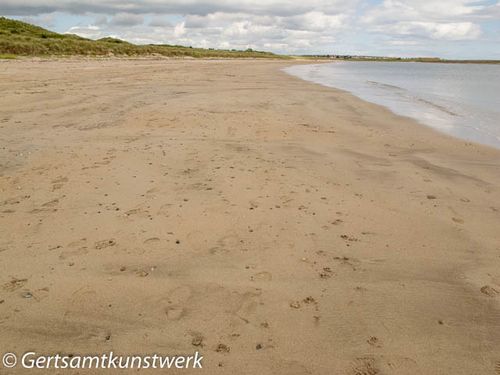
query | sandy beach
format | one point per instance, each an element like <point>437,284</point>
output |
<point>274,225</point>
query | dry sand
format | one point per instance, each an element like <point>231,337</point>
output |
<point>173,206</point>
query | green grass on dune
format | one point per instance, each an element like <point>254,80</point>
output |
<point>23,39</point>
<point>7,56</point>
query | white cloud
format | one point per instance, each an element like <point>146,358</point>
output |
<point>316,21</point>
<point>433,30</point>
<point>90,31</point>
<point>403,42</point>
<point>179,30</point>
<point>450,31</point>
<point>422,10</point>
<point>287,26</point>
<point>450,20</point>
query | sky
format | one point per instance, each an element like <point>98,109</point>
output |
<point>460,29</point>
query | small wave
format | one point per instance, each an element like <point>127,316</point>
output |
<point>437,106</point>
<point>420,100</point>
<point>385,85</point>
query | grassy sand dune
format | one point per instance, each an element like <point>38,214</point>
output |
<point>23,39</point>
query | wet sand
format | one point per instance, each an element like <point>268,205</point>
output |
<point>274,225</point>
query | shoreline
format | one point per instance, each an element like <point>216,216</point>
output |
<point>489,143</point>
<point>181,205</point>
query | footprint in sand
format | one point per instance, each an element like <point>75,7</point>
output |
<point>489,291</point>
<point>164,210</point>
<point>245,304</point>
<point>395,364</point>
<point>104,243</point>
<point>222,348</point>
<point>364,366</point>
<point>51,203</point>
<point>14,200</point>
<point>306,301</point>
<point>262,276</point>
<point>76,248</point>
<point>14,284</point>
<point>346,237</point>
<point>225,244</point>
<point>73,253</point>
<point>374,341</point>
<point>326,273</point>
<point>177,300</point>
<point>152,241</point>
<point>58,183</point>
<point>197,339</point>
<point>347,261</point>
